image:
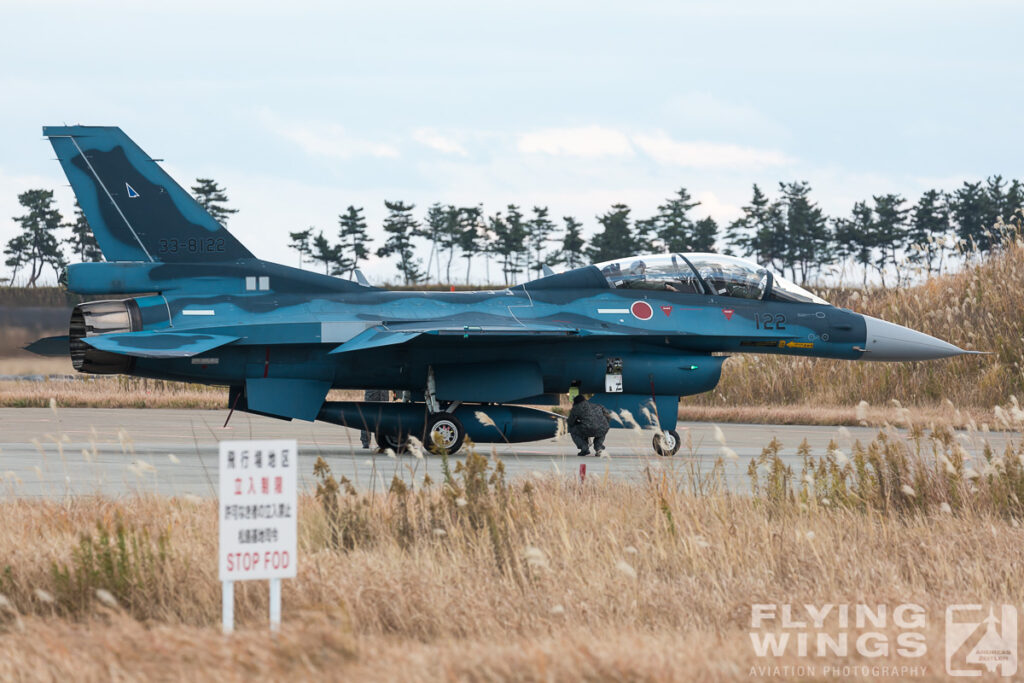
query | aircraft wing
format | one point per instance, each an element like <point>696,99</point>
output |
<point>158,344</point>
<point>374,337</point>
<point>388,334</point>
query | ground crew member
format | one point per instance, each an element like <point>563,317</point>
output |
<point>587,420</point>
<point>373,395</point>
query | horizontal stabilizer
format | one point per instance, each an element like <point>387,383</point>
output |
<point>50,346</point>
<point>158,344</point>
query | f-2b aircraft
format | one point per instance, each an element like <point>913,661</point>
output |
<point>637,333</point>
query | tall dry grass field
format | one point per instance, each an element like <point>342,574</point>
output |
<point>477,578</point>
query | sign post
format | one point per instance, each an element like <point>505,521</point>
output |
<point>258,529</point>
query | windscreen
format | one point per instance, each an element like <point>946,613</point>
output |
<point>784,290</point>
<point>659,272</point>
<point>730,276</point>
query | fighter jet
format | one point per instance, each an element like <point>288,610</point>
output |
<point>637,333</point>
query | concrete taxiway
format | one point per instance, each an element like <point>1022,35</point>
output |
<point>82,451</point>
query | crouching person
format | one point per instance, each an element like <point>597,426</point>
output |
<point>587,421</point>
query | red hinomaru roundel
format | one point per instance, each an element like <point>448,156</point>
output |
<point>641,310</point>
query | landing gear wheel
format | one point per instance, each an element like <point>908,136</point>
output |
<point>397,443</point>
<point>666,443</point>
<point>444,434</point>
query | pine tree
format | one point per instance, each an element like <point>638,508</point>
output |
<point>302,242</point>
<point>450,235</point>
<point>995,193</point>
<point>36,247</point>
<point>844,238</point>
<point>1013,207</point>
<point>890,231</point>
<point>616,240</point>
<point>540,229</point>
<point>355,242</point>
<point>705,232</point>
<point>675,227</point>
<point>1005,204</point>
<point>17,252</point>
<point>572,252</point>
<point>401,228</point>
<point>471,231</point>
<point>760,233</point>
<point>509,241</point>
<point>82,242</point>
<point>335,262</point>
<point>487,244</point>
<point>517,234</point>
<point>808,240</point>
<point>970,209</point>
<point>859,232</point>
<point>431,231</point>
<point>929,227</point>
<point>213,198</point>
<point>645,235</point>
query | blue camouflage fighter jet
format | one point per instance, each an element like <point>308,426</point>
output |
<point>638,333</point>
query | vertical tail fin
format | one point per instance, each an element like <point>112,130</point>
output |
<point>135,209</point>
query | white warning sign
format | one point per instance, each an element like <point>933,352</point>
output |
<point>258,506</point>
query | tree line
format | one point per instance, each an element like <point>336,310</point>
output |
<point>787,231</point>
<point>47,241</point>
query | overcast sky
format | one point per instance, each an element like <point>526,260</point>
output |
<point>302,108</point>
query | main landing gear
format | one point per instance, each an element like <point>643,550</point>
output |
<point>444,433</point>
<point>666,443</point>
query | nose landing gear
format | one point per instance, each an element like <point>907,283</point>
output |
<point>666,443</point>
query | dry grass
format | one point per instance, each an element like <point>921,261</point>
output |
<point>29,364</point>
<point>474,578</point>
<point>123,392</point>
<point>111,392</point>
<point>39,296</point>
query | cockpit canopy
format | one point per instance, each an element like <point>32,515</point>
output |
<point>699,273</point>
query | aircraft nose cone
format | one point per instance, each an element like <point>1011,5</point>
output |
<point>886,341</point>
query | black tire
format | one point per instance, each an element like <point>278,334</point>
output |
<point>666,444</point>
<point>396,442</point>
<point>444,433</point>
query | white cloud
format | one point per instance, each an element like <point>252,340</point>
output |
<point>698,154</point>
<point>587,141</point>
<point>713,205</point>
<point>438,142</point>
<point>717,117</point>
<point>332,140</point>
<point>591,142</point>
<point>326,139</point>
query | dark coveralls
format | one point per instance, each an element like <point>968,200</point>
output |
<point>588,420</point>
<point>373,395</point>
